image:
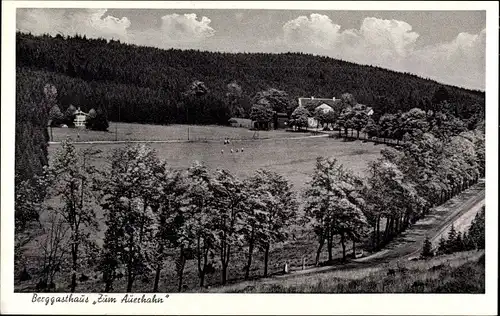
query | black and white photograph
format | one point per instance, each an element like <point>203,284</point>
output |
<point>164,149</point>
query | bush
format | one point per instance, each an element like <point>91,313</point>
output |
<point>427,249</point>
<point>99,122</point>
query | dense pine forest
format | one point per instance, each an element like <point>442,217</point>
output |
<point>148,85</point>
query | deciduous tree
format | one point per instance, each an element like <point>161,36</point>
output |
<point>199,228</point>
<point>230,196</point>
<point>262,114</point>
<point>300,117</point>
<point>72,174</point>
<point>279,201</point>
<point>333,205</point>
<point>130,189</point>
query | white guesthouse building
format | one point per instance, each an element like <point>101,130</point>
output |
<point>80,118</point>
<point>313,104</point>
<point>325,105</point>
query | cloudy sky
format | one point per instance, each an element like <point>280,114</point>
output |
<point>447,46</point>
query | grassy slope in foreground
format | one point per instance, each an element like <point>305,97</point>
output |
<point>462,272</point>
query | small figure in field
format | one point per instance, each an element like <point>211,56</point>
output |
<point>236,149</point>
<point>222,151</point>
<point>225,141</point>
<point>232,151</point>
<point>241,149</point>
<point>228,141</point>
<point>285,268</point>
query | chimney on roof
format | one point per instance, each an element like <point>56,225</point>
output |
<point>333,98</point>
<point>312,98</point>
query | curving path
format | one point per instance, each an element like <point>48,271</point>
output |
<point>408,245</point>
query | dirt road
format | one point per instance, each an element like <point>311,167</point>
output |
<point>409,244</point>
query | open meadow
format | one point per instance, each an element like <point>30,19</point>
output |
<point>142,132</point>
<point>294,157</point>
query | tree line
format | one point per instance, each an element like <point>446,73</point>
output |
<point>401,187</point>
<point>439,119</point>
<point>155,214</point>
<point>147,85</point>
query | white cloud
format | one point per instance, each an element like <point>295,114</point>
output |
<point>318,31</point>
<point>186,27</point>
<point>177,31</point>
<point>460,62</point>
<point>174,31</point>
<point>390,44</point>
<point>90,22</point>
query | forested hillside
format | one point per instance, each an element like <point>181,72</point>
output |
<point>148,85</point>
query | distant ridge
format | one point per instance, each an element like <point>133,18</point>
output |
<point>146,84</point>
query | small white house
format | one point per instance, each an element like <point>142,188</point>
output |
<point>80,118</point>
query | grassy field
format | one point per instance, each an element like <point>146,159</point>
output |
<point>294,158</point>
<point>141,132</point>
<point>462,272</point>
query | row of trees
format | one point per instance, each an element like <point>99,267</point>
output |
<point>146,84</point>
<point>153,212</point>
<point>473,238</point>
<point>347,114</point>
<point>404,184</point>
<point>401,187</point>
<point>442,123</point>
